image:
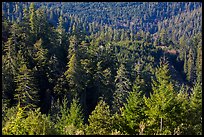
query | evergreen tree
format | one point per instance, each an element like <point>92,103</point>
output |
<point>191,68</point>
<point>10,55</point>
<point>75,114</point>
<point>41,73</point>
<point>33,18</point>
<point>27,93</point>
<point>61,88</point>
<point>43,28</point>
<point>62,116</point>
<point>18,121</point>
<point>199,64</point>
<point>40,54</point>
<point>60,29</point>
<point>160,102</point>
<point>73,76</point>
<point>163,36</point>
<point>196,109</point>
<point>69,120</point>
<point>182,46</point>
<point>9,71</point>
<point>73,46</point>
<point>122,87</point>
<point>100,121</point>
<point>133,112</point>
<point>181,114</point>
<point>185,67</point>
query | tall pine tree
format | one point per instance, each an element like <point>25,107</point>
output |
<point>122,87</point>
<point>26,91</point>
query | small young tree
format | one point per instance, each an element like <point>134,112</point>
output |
<point>133,112</point>
<point>70,120</point>
<point>100,120</point>
<point>160,102</point>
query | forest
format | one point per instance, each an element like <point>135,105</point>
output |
<point>101,68</point>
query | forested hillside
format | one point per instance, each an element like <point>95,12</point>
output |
<point>102,68</point>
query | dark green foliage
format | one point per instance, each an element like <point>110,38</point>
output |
<point>191,68</point>
<point>122,86</point>
<point>26,91</point>
<point>60,59</point>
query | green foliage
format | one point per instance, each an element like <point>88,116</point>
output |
<point>100,120</point>
<point>199,63</point>
<point>95,50</point>
<point>191,69</point>
<point>33,18</point>
<point>73,46</point>
<point>180,113</point>
<point>60,29</point>
<point>70,120</point>
<point>60,89</point>
<point>196,109</point>
<point>40,53</point>
<point>73,76</point>
<point>122,85</point>
<point>18,121</point>
<point>9,57</point>
<point>161,102</point>
<point>26,91</point>
<point>134,109</point>
<point>75,114</point>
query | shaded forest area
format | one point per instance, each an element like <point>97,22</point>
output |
<point>102,68</point>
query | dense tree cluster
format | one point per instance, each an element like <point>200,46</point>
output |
<point>101,68</point>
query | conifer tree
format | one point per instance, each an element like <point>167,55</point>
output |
<point>122,87</point>
<point>60,29</point>
<point>43,29</point>
<point>41,73</point>
<point>27,93</point>
<point>19,121</point>
<point>185,67</point>
<point>61,116</point>
<point>61,88</point>
<point>75,114</point>
<point>196,109</point>
<point>199,64</point>
<point>163,36</point>
<point>160,102</point>
<point>40,54</point>
<point>133,112</point>
<point>69,120</point>
<point>191,68</point>
<point>181,113</point>
<point>73,76</point>
<point>9,70</point>
<point>33,18</point>
<point>100,121</point>
<point>10,54</point>
<point>182,46</point>
<point>73,46</point>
